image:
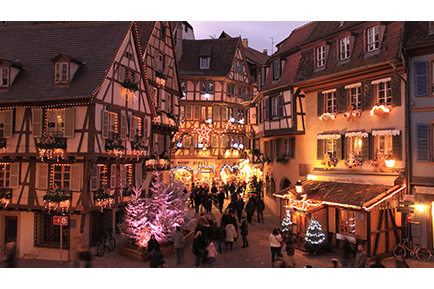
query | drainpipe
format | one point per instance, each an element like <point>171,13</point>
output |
<point>408,159</point>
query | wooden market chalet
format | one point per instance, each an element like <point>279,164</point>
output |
<point>80,118</point>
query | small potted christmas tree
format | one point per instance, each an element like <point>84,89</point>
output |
<point>315,239</point>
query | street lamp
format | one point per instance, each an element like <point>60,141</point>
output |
<point>299,187</point>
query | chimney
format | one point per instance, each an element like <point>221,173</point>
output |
<point>265,52</point>
<point>246,42</point>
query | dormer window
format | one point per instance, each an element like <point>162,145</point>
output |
<point>5,79</point>
<point>61,72</point>
<point>344,48</point>
<point>276,69</point>
<point>204,62</point>
<point>373,38</point>
<point>320,56</point>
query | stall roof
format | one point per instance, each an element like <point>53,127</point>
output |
<point>357,196</point>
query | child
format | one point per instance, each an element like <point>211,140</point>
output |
<point>212,252</point>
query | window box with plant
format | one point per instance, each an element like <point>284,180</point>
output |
<point>57,198</point>
<point>130,85</point>
<point>3,145</point>
<point>50,147</point>
<point>5,197</point>
<point>115,146</point>
<point>139,147</point>
<point>104,198</point>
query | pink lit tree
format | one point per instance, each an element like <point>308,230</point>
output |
<point>134,224</point>
<point>167,208</point>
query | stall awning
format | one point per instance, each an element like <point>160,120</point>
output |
<point>356,196</point>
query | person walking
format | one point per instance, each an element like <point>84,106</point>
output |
<point>290,247</point>
<point>179,243</point>
<point>156,258</point>
<point>221,236</point>
<point>250,209</point>
<point>212,253</point>
<point>221,200</point>
<point>360,261</point>
<point>231,235</point>
<point>152,244</point>
<point>274,239</point>
<point>239,206</point>
<point>260,207</point>
<point>198,247</point>
<point>244,232</point>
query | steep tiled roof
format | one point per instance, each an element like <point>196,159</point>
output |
<point>327,28</point>
<point>389,50</point>
<point>144,29</point>
<point>417,34</point>
<point>255,56</point>
<point>297,37</point>
<point>94,44</point>
<point>222,55</point>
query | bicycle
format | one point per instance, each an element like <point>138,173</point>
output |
<point>422,254</point>
<point>109,243</point>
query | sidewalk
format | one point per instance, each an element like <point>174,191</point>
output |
<point>257,255</point>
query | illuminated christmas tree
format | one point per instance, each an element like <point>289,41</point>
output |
<point>286,224</point>
<point>134,222</point>
<point>315,239</point>
<point>167,208</point>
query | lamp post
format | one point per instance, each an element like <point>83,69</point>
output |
<point>299,189</point>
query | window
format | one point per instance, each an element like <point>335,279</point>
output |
<point>330,99</point>
<point>383,144</point>
<point>204,62</point>
<point>183,87</point>
<point>320,56</point>
<point>274,107</point>
<point>102,175</point>
<point>355,97</point>
<point>110,124</point>
<point>355,144</point>
<point>384,93</point>
<point>230,90</point>
<point>163,33</point>
<point>344,48</point>
<point>347,222</point>
<point>330,144</point>
<point>421,78</point>
<point>197,112</point>
<point>288,147</point>
<point>186,141</point>
<point>5,174</point>
<point>207,87</point>
<point>56,119</point>
<point>188,112</point>
<point>6,123</point>
<point>61,176</point>
<point>276,69</point>
<point>160,65</point>
<point>4,82</point>
<point>48,235</point>
<point>239,67</point>
<point>61,72</point>
<point>216,113</point>
<point>373,38</point>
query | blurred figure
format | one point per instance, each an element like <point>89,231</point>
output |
<point>156,258</point>
<point>244,232</point>
<point>199,246</point>
<point>274,239</point>
<point>335,263</point>
<point>152,244</point>
<point>212,253</point>
<point>360,261</point>
<point>231,235</point>
<point>179,243</point>
<point>280,263</point>
<point>260,206</point>
<point>10,252</point>
<point>290,247</point>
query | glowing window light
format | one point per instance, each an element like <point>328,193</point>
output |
<point>389,163</point>
<point>420,208</point>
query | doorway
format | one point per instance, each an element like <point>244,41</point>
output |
<point>11,228</point>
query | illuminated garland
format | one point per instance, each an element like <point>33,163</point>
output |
<point>315,237</point>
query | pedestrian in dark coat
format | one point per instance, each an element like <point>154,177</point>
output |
<point>197,200</point>
<point>156,258</point>
<point>199,246</point>
<point>152,244</point>
<point>239,206</point>
<point>290,248</point>
<point>360,261</point>
<point>221,200</point>
<point>221,236</point>
<point>244,232</point>
<point>208,203</point>
<point>260,207</point>
<point>250,209</point>
<point>179,243</point>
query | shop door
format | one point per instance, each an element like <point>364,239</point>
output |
<point>11,229</point>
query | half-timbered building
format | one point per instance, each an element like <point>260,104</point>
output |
<point>76,116</point>
<point>215,81</point>
<point>346,101</point>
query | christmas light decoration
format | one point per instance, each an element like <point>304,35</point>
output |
<point>104,198</point>
<point>380,110</point>
<point>5,197</point>
<point>315,239</point>
<point>57,198</point>
<point>327,116</point>
<point>286,224</point>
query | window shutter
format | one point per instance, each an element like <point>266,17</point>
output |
<point>93,186</point>
<point>123,176</point>
<point>278,148</point>
<point>145,128</point>
<point>292,144</point>
<point>138,175</point>
<point>15,175</point>
<point>396,91</point>
<point>57,72</point>
<point>320,104</point>
<point>105,124</point>
<point>42,173</point>
<point>113,176</point>
<point>340,147</point>
<point>69,123</point>
<point>216,112</point>
<point>397,147</point>
<point>266,102</point>
<point>320,149</point>
<point>225,113</point>
<point>422,135</point>
<point>280,106</point>
<point>37,122</point>
<point>224,142</point>
<point>75,184</point>
<point>421,80</point>
<point>365,148</point>
<point>121,73</point>
<point>332,220</point>
<point>8,123</point>
<point>197,112</point>
<point>341,100</point>
<point>124,125</point>
<point>366,96</point>
<point>188,112</point>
